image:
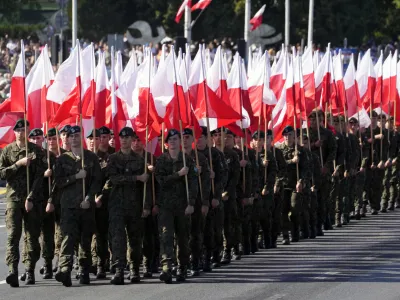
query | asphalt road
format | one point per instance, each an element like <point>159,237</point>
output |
<point>360,261</point>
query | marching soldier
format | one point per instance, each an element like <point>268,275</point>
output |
<point>64,138</point>
<point>77,208</point>
<point>23,205</point>
<point>105,137</point>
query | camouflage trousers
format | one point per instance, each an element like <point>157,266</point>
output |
<point>47,232</point>
<point>291,212</point>
<point>172,224</point>
<point>57,231</point>
<point>99,247</point>
<point>16,220</point>
<point>126,227</point>
<point>324,203</point>
<point>264,207</point>
<point>359,182</point>
<point>196,234</point>
<point>373,187</point>
<point>230,217</point>
<point>76,225</point>
<point>390,191</point>
<point>151,242</point>
<point>213,232</point>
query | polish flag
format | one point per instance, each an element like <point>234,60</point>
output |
<point>7,122</point>
<point>308,80</point>
<point>202,4</point>
<point>298,86</point>
<point>66,88</point>
<point>396,106</point>
<point>340,89</point>
<point>256,21</point>
<point>389,84</point>
<point>378,68</point>
<point>325,87</point>
<point>181,10</point>
<point>102,93</point>
<point>366,79</point>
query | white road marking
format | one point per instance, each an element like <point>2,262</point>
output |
<point>2,226</point>
<point>3,282</point>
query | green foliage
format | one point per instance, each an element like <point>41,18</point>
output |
<point>21,31</point>
<point>10,9</point>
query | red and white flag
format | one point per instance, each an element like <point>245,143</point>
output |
<point>102,92</point>
<point>308,80</point>
<point>366,79</point>
<point>181,10</point>
<point>202,4</point>
<point>256,21</point>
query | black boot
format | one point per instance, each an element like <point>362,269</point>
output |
<point>273,241</point>
<point>166,276</point>
<point>147,273</point>
<point>207,262</point>
<point>41,270</point>
<point>181,274</point>
<point>12,278</point>
<point>56,264</point>
<point>285,240</point>
<point>226,257</point>
<point>313,232</point>
<point>216,259</point>
<point>134,275</point>
<point>195,268</point>
<point>253,244</point>
<point>30,277</point>
<point>64,278</point>
<point>101,274</point>
<point>118,278</point>
<point>48,271</point>
<point>236,255</point>
<point>84,278</point>
<point>319,230</point>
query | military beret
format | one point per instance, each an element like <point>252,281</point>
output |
<point>65,129</point>
<point>96,133</point>
<point>126,131</point>
<point>21,124</point>
<point>36,132</point>
<point>112,132</point>
<point>353,121</point>
<point>228,131</point>
<point>74,129</point>
<point>188,131</point>
<point>51,132</point>
<point>105,130</point>
<point>391,118</point>
<point>374,114</point>
<point>383,116</point>
<point>299,133</point>
<point>171,133</point>
<point>287,130</point>
<point>204,131</point>
<point>269,132</point>
<point>335,118</point>
<point>258,135</point>
<point>313,114</point>
<point>218,130</point>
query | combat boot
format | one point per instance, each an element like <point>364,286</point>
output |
<point>313,232</point>
<point>273,244</point>
<point>48,271</point>
<point>338,221</point>
<point>101,274</point>
<point>320,232</point>
<point>181,274</point>
<point>41,270</point>
<point>364,211</point>
<point>226,257</point>
<point>374,212</point>
<point>286,240</point>
<point>84,278</point>
<point>391,206</point>
<point>55,264</point>
<point>12,278</point>
<point>236,253</point>
<point>216,259</point>
<point>118,278</point>
<point>64,278</point>
<point>383,209</point>
<point>295,234</point>
<point>134,275</point>
<point>267,241</point>
<point>30,277</point>
<point>397,204</point>
<point>207,263</point>
<point>195,268</point>
<point>253,244</point>
<point>166,276</point>
<point>147,271</point>
<point>22,277</point>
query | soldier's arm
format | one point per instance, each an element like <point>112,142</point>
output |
<point>281,165</point>
<point>254,174</point>
<point>114,175</point>
<point>218,171</point>
<point>271,172</point>
<point>305,167</point>
<point>248,191</point>
<point>61,178</point>
<point>317,171</point>
<point>193,183</point>
<point>393,146</point>
<point>332,149</point>
<point>224,171</point>
<point>7,171</point>
<point>341,153</point>
<point>234,174</point>
<point>205,180</point>
<point>95,183</point>
<point>162,175</point>
<point>38,173</point>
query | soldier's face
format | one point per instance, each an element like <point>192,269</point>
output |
<point>137,145</point>
<point>64,138</point>
<point>20,134</point>
<point>313,122</point>
<point>104,139</point>
<point>237,140</point>
<point>389,125</point>
<point>305,142</point>
<point>52,142</point>
<point>75,140</point>
<point>126,142</point>
<point>289,139</point>
<point>269,141</point>
<point>37,140</point>
<point>217,138</point>
<point>173,142</point>
<point>353,127</point>
<point>258,143</point>
<point>229,141</point>
<point>374,122</point>
<point>111,142</point>
<point>187,141</point>
<point>92,142</point>
<point>201,142</point>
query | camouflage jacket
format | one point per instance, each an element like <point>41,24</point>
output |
<point>270,171</point>
<point>328,146</point>
<point>218,169</point>
<point>126,191</point>
<point>204,178</point>
<point>16,177</point>
<point>281,167</point>
<point>70,188</point>
<point>245,184</point>
<point>373,151</point>
<point>173,195</point>
<point>233,172</point>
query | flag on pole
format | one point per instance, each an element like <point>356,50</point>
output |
<point>202,4</point>
<point>257,19</point>
<point>182,10</point>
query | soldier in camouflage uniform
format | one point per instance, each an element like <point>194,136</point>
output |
<point>201,208</point>
<point>105,137</point>
<point>376,164</point>
<point>176,205</point>
<point>214,223</point>
<point>389,182</point>
<point>77,209</point>
<point>64,137</point>
<point>23,208</point>
<point>326,146</point>
<point>48,221</point>
<point>264,197</point>
<point>151,243</point>
<point>294,184</point>
<point>126,171</point>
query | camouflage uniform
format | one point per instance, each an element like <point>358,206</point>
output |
<point>16,193</point>
<point>172,203</point>
<point>352,161</point>
<point>213,239</point>
<point>389,181</point>
<point>77,224</point>
<point>197,218</point>
<point>125,208</point>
